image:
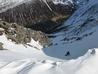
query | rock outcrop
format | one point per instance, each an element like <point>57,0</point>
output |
<point>1,46</point>
<point>33,13</point>
<point>20,34</point>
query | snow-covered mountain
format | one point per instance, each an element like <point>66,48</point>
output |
<point>73,48</point>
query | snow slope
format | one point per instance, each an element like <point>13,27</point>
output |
<point>28,61</point>
<point>12,62</point>
<point>7,4</point>
<point>77,37</point>
<point>82,44</point>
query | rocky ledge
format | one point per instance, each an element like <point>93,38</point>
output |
<point>20,34</point>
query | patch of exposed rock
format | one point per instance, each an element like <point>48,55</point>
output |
<point>20,34</point>
<point>1,46</point>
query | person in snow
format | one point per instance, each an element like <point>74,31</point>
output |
<point>67,53</point>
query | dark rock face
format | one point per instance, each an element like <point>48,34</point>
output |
<point>34,13</point>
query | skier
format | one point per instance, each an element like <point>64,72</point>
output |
<point>67,53</point>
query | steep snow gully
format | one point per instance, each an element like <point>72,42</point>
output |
<point>74,49</point>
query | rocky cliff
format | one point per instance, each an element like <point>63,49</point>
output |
<point>31,14</point>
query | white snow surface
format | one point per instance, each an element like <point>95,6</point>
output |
<point>64,2</point>
<point>83,58</point>
<point>31,61</point>
<point>21,60</point>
